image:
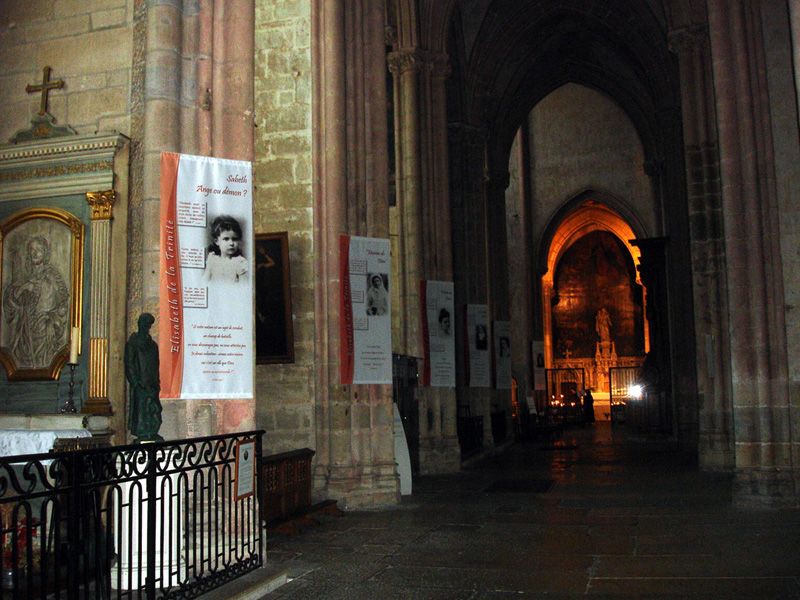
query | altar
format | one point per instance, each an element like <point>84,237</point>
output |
<point>38,434</point>
<point>14,442</point>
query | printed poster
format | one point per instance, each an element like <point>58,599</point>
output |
<point>502,355</point>
<point>478,351</point>
<point>206,297</point>
<point>365,327</point>
<point>439,369</point>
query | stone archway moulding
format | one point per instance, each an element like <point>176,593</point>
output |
<point>591,215</point>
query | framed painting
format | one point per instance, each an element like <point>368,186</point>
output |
<point>41,274</point>
<point>274,332</point>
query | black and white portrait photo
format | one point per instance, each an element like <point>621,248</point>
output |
<point>377,294</point>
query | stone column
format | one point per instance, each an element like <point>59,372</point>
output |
<point>101,204</point>
<point>198,99</point>
<point>794,17</point>
<point>355,446</point>
<point>470,254</point>
<point>520,283</point>
<point>701,150</point>
<point>423,232</point>
<point>498,273</point>
<point>161,131</point>
<point>405,67</point>
<point>232,86</point>
<point>657,369</point>
<point>765,472</point>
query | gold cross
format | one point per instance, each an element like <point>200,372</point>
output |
<point>45,88</point>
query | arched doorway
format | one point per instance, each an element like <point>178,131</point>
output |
<point>593,300</point>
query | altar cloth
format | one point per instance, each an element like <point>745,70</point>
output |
<point>14,442</point>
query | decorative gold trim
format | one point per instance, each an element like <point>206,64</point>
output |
<point>98,367</point>
<point>76,296</point>
<point>39,172</point>
<point>102,204</point>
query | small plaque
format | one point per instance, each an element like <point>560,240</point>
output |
<point>245,468</point>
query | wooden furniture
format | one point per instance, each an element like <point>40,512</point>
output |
<point>286,481</point>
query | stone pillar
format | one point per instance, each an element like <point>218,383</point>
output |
<point>354,462</point>
<point>498,274</point>
<point>232,85</point>
<point>101,204</point>
<point>198,99</point>
<point>656,373</point>
<point>715,438</point>
<point>161,132</point>
<point>423,232</point>
<point>520,282</point>
<point>765,471</point>
<point>405,67</point>
<point>470,255</point>
<point>794,17</point>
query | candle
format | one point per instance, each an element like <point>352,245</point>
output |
<point>73,345</point>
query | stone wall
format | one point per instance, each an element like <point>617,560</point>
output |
<point>580,139</point>
<point>519,267</point>
<point>283,202</point>
<point>88,45</point>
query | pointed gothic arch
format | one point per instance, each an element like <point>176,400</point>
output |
<point>587,212</point>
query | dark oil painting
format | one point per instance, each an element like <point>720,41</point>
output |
<point>274,334</point>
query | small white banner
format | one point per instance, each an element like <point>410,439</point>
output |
<point>478,351</point>
<point>365,327</point>
<point>502,354</point>
<point>439,368</point>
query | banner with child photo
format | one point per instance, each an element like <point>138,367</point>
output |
<point>206,293</point>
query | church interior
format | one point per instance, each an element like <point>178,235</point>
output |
<point>619,181</point>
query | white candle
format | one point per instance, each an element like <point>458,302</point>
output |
<point>73,346</point>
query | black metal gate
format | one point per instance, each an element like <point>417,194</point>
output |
<point>164,520</point>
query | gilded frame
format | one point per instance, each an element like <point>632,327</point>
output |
<point>66,232</point>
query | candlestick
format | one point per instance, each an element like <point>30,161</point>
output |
<point>69,405</point>
<point>73,346</point>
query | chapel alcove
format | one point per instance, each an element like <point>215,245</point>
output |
<point>81,180</point>
<point>596,272</point>
<point>592,271</point>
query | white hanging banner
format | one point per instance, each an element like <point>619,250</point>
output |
<point>436,299</point>
<point>365,326</point>
<point>206,296</point>
<point>478,351</point>
<point>502,355</point>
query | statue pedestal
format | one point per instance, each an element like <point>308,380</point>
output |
<point>605,357</point>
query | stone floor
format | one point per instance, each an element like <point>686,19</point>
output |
<point>594,516</point>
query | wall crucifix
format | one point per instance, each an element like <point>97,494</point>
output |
<point>45,88</point>
<point>43,123</point>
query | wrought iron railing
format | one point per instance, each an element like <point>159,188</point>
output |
<point>162,520</point>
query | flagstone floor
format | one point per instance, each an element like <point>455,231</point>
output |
<point>596,517</point>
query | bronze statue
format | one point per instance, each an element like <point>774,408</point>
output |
<point>141,370</point>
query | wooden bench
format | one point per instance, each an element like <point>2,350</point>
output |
<point>286,500</point>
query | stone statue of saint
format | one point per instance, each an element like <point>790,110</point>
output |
<point>602,325</point>
<point>141,371</point>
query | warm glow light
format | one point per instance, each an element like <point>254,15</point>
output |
<point>635,391</point>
